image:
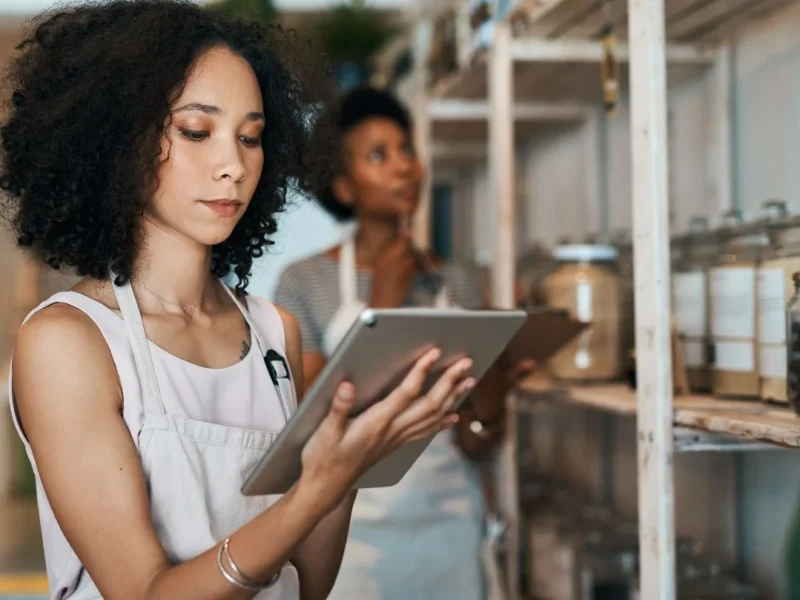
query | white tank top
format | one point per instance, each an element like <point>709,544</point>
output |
<point>225,418</point>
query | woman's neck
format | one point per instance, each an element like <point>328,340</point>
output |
<point>372,238</point>
<point>172,270</point>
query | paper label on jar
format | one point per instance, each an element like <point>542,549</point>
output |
<point>771,306</point>
<point>695,353</point>
<point>772,361</point>
<point>733,302</point>
<point>583,310</point>
<point>734,356</point>
<point>689,299</point>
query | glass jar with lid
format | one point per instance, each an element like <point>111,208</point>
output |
<point>586,283</point>
<point>775,288</point>
<point>694,253</point>
<point>734,308</point>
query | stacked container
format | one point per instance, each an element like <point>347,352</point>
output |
<point>734,316</point>
<point>694,254</point>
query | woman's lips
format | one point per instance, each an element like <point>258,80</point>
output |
<point>224,208</point>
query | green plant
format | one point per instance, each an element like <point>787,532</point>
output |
<point>354,32</point>
<point>255,10</point>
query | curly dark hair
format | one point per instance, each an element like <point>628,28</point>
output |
<point>91,92</point>
<point>353,108</point>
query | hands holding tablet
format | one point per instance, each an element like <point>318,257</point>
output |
<point>343,448</point>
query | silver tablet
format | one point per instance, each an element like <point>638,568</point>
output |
<point>377,352</point>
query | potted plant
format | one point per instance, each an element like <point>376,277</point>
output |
<point>351,34</point>
<point>256,10</point>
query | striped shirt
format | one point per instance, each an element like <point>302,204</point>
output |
<point>309,289</point>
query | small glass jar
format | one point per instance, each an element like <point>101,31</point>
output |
<point>734,313</point>
<point>793,350</point>
<point>694,253</point>
<point>586,283</point>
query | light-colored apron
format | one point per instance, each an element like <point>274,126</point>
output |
<point>420,539</point>
<point>195,470</point>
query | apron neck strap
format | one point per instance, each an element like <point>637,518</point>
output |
<point>151,395</point>
<point>348,281</point>
<point>246,314</point>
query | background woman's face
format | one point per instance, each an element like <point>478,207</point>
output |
<point>382,175</point>
<point>211,152</point>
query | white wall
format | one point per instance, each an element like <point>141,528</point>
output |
<point>303,230</point>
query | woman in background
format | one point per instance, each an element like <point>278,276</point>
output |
<point>420,539</point>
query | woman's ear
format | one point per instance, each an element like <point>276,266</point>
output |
<point>343,190</point>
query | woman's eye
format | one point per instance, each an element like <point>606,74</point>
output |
<point>195,136</point>
<point>250,141</point>
<point>376,155</point>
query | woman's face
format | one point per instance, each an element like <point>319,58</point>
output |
<point>382,176</point>
<point>211,153</point>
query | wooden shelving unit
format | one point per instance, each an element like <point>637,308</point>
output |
<point>542,70</point>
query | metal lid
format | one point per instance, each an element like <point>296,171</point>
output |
<point>585,253</point>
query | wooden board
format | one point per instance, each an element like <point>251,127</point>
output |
<point>746,419</point>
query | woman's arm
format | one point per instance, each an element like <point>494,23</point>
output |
<point>69,401</point>
<point>319,556</point>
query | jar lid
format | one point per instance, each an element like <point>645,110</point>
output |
<point>585,253</point>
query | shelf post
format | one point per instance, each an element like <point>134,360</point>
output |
<point>652,281</point>
<point>501,166</point>
<point>423,140</point>
<point>503,198</point>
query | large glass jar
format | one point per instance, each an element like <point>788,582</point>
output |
<point>775,288</point>
<point>694,254</point>
<point>734,309</point>
<point>586,283</point>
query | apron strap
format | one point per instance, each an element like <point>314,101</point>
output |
<point>277,366</point>
<point>348,281</point>
<point>132,317</point>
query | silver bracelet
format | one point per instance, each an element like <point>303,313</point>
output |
<point>244,582</point>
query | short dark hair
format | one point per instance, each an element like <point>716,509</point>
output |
<point>91,91</point>
<point>349,111</point>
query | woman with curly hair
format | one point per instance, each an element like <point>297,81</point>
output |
<point>420,539</point>
<point>149,146</point>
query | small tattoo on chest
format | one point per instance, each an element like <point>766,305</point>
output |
<point>245,342</point>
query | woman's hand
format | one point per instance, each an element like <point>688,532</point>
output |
<point>343,448</point>
<point>393,273</point>
<point>483,416</point>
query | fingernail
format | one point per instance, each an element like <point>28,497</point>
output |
<point>466,364</point>
<point>454,419</point>
<point>346,391</point>
<point>470,383</point>
<point>435,354</point>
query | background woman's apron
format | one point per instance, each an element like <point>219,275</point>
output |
<point>420,539</point>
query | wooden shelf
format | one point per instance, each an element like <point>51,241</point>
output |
<point>744,419</point>
<point>705,21</point>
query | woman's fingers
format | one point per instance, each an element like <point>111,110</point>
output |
<point>429,412</point>
<point>444,386</point>
<point>339,413</point>
<point>520,370</point>
<point>410,388</point>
